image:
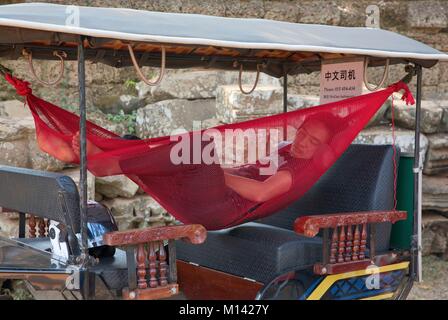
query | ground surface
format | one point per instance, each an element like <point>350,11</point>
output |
<point>433,287</point>
<point>435,280</point>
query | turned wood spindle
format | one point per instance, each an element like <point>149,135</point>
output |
<point>349,244</point>
<point>356,238</point>
<point>162,264</point>
<point>152,265</point>
<point>363,242</point>
<point>41,227</point>
<point>32,226</point>
<point>141,267</point>
<point>341,247</point>
<point>334,245</point>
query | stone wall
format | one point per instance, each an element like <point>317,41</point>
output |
<point>118,101</point>
<point>424,20</point>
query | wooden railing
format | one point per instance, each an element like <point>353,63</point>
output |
<point>345,237</point>
<point>149,274</point>
<point>37,226</point>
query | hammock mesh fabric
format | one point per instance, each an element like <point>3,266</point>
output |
<point>223,176</point>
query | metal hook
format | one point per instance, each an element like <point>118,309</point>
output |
<point>383,79</point>
<point>256,79</point>
<point>139,71</point>
<point>411,72</point>
<point>60,54</point>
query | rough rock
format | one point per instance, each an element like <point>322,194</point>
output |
<point>321,12</point>
<point>103,121</point>
<point>196,84</point>
<point>281,11</point>
<point>115,104</point>
<point>18,146</point>
<point>233,106</point>
<point>115,186</point>
<point>435,193</point>
<point>431,116</point>
<point>210,123</point>
<point>383,135</point>
<point>8,227</point>
<point>434,234</point>
<point>209,7</point>
<point>137,212</point>
<point>437,156</point>
<point>427,14</point>
<point>162,118</point>
<point>444,123</point>
<point>246,9</point>
<point>13,109</point>
<point>74,174</point>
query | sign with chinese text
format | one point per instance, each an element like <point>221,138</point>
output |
<point>341,80</point>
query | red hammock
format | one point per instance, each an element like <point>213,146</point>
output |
<point>211,185</point>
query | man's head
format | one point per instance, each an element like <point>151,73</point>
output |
<point>312,134</point>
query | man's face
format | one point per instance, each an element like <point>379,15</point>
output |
<point>309,137</point>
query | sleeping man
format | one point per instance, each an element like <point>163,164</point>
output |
<point>310,139</point>
<point>207,189</point>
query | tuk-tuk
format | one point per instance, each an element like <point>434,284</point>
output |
<point>297,253</point>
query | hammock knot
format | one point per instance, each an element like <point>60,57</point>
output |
<point>407,95</point>
<point>22,87</point>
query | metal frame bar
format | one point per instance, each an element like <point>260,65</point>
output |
<point>415,242</point>
<point>83,161</point>
<point>285,91</point>
<point>22,225</point>
<point>83,144</point>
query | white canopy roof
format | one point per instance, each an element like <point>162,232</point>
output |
<point>193,30</point>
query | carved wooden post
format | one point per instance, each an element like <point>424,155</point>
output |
<point>48,226</point>
<point>341,248</point>
<point>349,244</point>
<point>152,265</point>
<point>41,227</point>
<point>334,245</point>
<point>141,267</point>
<point>162,265</point>
<point>355,255</point>
<point>363,242</point>
<point>32,226</point>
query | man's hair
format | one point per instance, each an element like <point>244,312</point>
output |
<point>331,122</point>
<point>130,137</point>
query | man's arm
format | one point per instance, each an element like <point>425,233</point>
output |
<point>260,191</point>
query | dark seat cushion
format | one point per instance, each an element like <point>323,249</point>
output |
<point>361,180</point>
<point>253,250</point>
<point>44,194</point>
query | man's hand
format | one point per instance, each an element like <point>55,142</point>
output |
<point>91,148</point>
